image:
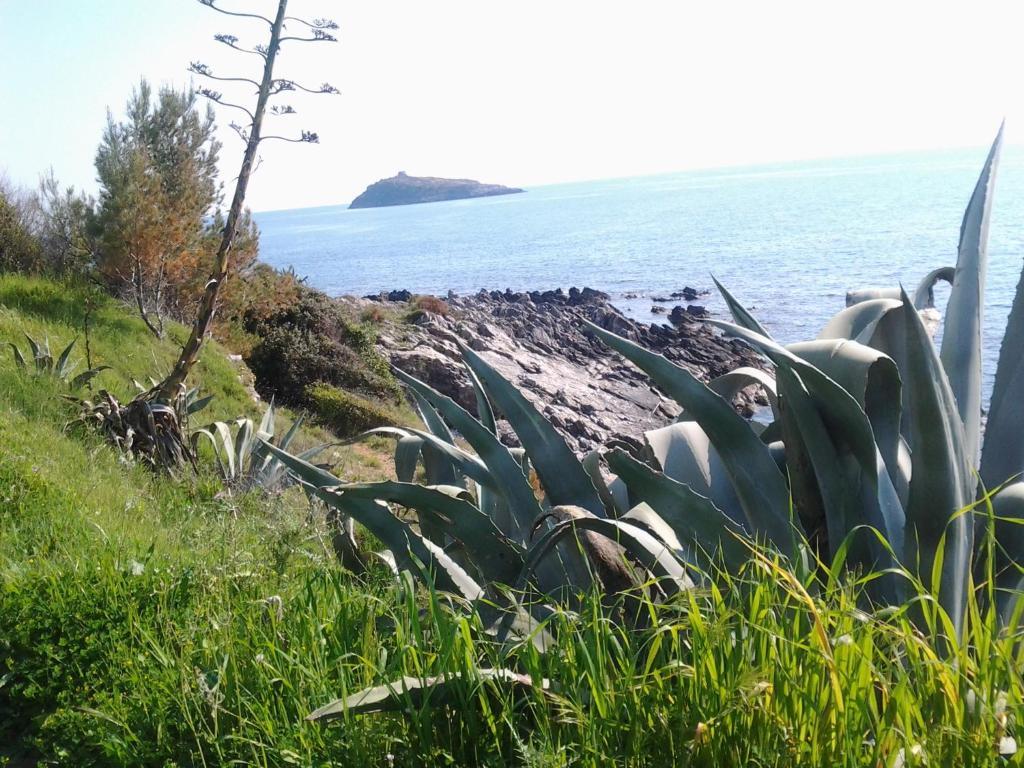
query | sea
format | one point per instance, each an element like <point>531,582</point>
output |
<point>788,240</point>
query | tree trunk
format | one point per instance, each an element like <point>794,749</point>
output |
<point>168,389</point>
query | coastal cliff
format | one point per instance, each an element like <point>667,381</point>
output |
<point>403,189</point>
<point>536,340</point>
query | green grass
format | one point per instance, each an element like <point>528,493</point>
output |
<point>150,621</point>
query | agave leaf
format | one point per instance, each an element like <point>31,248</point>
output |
<point>407,456</point>
<point>266,430</point>
<point>428,413</point>
<point>652,553</point>
<point>759,484</point>
<point>961,336</point>
<point>243,444</point>
<point>196,406</point>
<point>698,524</point>
<point>924,296</point>
<point>739,312</point>
<point>19,358</point>
<point>500,464</point>
<point>86,376</point>
<point>941,480</point>
<point>37,351</point>
<point>684,452</point>
<point>228,446</point>
<point>847,500</point>
<point>730,384</point>
<point>498,559</point>
<point>1003,454</point>
<point>310,474</point>
<point>467,463</point>
<point>483,406</point>
<point>438,468</point>
<point>614,506</point>
<point>411,693</point>
<point>412,552</point>
<point>872,378</point>
<point>61,369</point>
<point>293,430</point>
<point>844,417</point>
<point>858,321</point>
<point>565,480</point>
<point>1008,509</point>
<point>208,434</point>
<point>644,516</point>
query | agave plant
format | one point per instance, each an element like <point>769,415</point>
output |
<point>143,429</point>
<point>62,367</point>
<point>243,460</point>
<point>873,455</point>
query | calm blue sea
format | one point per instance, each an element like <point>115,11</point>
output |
<point>787,239</point>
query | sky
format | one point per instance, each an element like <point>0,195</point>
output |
<point>529,92</point>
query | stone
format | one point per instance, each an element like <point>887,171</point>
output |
<point>537,341</point>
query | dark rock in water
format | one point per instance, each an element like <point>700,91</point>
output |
<point>681,315</point>
<point>656,310</point>
<point>406,190</point>
<point>536,340</point>
<point>689,294</point>
<point>661,299</point>
<point>402,295</point>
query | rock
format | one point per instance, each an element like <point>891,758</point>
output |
<point>656,310</point>
<point>403,189</point>
<point>689,294</point>
<point>536,340</point>
<point>402,295</point>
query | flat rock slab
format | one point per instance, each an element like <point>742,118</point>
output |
<point>536,340</point>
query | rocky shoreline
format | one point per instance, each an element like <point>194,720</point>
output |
<point>536,340</point>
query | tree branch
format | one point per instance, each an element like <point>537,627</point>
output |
<point>232,42</point>
<point>307,137</point>
<point>210,4</point>
<point>290,85</point>
<point>199,68</point>
<point>315,23</point>
<point>219,98</point>
<point>319,36</point>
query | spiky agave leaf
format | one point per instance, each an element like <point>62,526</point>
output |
<point>63,366</point>
<point>451,510</point>
<point>700,526</point>
<point>512,483</point>
<point>19,358</point>
<point>961,336</point>
<point>412,552</point>
<point>759,484</point>
<point>739,313</point>
<point>848,426</point>
<point>655,555</point>
<point>1002,456</point>
<point>564,479</point>
<point>417,692</point>
<point>942,480</point>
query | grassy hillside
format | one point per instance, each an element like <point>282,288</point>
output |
<point>109,573</point>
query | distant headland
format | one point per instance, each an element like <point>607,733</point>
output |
<point>406,190</point>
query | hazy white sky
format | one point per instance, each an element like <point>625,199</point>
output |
<point>529,92</point>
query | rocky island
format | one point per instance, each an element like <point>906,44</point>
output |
<point>403,189</point>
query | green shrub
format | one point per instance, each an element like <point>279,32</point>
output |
<point>346,413</point>
<point>19,248</point>
<point>312,341</point>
